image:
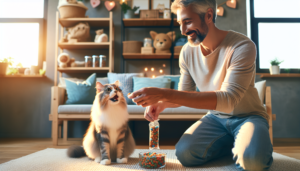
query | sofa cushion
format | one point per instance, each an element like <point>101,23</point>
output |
<point>139,83</point>
<point>62,82</point>
<point>81,92</point>
<point>126,82</point>
<point>86,109</point>
<point>261,89</point>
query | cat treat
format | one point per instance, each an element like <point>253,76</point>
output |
<point>152,160</point>
<point>154,135</point>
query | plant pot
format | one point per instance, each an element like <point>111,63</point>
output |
<point>129,14</point>
<point>274,70</point>
<point>3,68</point>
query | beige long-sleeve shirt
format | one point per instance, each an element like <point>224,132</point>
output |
<point>229,71</point>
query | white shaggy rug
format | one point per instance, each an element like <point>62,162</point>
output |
<point>56,159</point>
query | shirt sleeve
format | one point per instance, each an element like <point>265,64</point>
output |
<point>186,82</point>
<point>238,77</point>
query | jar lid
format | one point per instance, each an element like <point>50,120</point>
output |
<point>87,56</point>
<point>95,56</point>
<point>147,38</point>
<point>102,56</point>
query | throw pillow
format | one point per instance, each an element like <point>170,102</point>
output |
<point>139,83</point>
<point>81,92</point>
<point>62,82</point>
<point>126,82</point>
<point>261,88</point>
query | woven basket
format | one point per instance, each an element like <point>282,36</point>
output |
<point>132,46</point>
<point>71,11</point>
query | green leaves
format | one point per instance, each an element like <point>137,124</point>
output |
<point>8,60</point>
<point>275,62</point>
<point>126,7</point>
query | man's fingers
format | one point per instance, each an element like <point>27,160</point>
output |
<point>149,118</point>
<point>134,94</point>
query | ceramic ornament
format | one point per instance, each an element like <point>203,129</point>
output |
<point>220,11</point>
<point>110,5</point>
<point>95,3</point>
<point>231,3</point>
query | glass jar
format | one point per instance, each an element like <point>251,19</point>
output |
<point>88,61</point>
<point>147,42</point>
<point>96,60</point>
<point>102,61</point>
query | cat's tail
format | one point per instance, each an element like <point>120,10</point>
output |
<point>76,151</point>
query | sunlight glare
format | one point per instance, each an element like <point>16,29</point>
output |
<point>22,46</point>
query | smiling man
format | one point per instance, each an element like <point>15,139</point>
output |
<point>222,65</point>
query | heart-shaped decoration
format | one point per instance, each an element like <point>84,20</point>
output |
<point>95,3</point>
<point>110,5</point>
<point>220,11</point>
<point>231,3</point>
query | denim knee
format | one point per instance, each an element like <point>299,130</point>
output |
<point>186,155</point>
<point>254,161</point>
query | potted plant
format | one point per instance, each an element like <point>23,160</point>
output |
<point>274,68</point>
<point>128,11</point>
<point>4,63</point>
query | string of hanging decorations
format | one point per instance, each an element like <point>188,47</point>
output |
<point>229,3</point>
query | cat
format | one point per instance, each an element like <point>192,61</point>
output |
<point>108,138</point>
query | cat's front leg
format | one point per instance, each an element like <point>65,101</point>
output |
<point>104,144</point>
<point>120,145</point>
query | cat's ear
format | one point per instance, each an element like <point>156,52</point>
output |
<point>99,87</point>
<point>117,83</point>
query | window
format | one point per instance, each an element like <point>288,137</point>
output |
<point>275,26</point>
<point>22,31</point>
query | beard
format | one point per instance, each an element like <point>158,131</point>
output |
<point>194,42</point>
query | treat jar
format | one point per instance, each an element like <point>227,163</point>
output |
<point>167,13</point>
<point>147,42</point>
<point>154,135</point>
<point>96,61</point>
<point>152,160</point>
<point>88,61</point>
<point>102,61</point>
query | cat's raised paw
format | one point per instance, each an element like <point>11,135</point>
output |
<point>97,159</point>
<point>105,162</point>
<point>123,160</point>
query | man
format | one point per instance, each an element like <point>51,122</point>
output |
<point>222,65</point>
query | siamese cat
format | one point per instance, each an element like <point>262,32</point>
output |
<point>108,138</point>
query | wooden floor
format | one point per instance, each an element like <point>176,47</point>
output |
<point>15,148</point>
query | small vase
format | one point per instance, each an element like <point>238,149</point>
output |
<point>129,14</point>
<point>3,68</point>
<point>274,70</point>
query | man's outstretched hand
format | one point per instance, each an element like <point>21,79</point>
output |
<point>147,96</point>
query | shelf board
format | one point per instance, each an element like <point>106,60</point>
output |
<point>176,55</point>
<point>84,45</point>
<point>267,75</point>
<point>146,56</point>
<point>147,22</point>
<point>23,76</point>
<point>83,69</point>
<point>93,22</point>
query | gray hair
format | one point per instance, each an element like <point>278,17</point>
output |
<point>199,6</point>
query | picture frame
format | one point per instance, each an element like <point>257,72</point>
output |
<point>143,4</point>
<point>161,5</point>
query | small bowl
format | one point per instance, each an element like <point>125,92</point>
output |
<point>152,160</point>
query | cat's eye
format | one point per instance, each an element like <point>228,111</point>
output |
<point>109,89</point>
<point>165,40</point>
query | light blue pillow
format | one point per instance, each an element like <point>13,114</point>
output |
<point>81,92</point>
<point>126,82</point>
<point>139,83</point>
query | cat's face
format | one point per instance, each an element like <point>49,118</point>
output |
<point>110,94</point>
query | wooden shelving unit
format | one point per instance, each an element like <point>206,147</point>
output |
<point>283,75</point>
<point>146,56</point>
<point>95,23</point>
<point>23,76</point>
<point>84,45</point>
<point>146,22</point>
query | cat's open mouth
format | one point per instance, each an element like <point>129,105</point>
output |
<point>115,98</point>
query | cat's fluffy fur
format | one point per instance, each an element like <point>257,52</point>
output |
<point>108,137</point>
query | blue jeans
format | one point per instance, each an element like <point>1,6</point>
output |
<point>246,138</point>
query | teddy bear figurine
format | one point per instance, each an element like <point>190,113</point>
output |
<point>162,42</point>
<point>100,36</point>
